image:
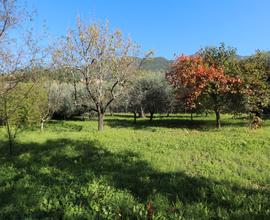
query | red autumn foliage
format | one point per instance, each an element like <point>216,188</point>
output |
<point>191,76</point>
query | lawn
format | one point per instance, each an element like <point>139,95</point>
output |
<point>172,168</point>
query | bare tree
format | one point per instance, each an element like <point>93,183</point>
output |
<point>17,56</point>
<point>8,17</point>
<point>105,60</point>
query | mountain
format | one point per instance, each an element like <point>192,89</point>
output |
<point>239,57</point>
<point>161,64</point>
<point>157,64</point>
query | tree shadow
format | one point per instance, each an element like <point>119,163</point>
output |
<point>60,169</point>
<point>173,122</point>
<point>65,127</point>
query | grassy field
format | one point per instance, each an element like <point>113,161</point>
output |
<point>171,168</point>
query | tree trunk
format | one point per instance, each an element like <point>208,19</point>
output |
<point>151,116</point>
<point>218,125</point>
<point>9,132</point>
<point>141,113</point>
<point>168,114</point>
<point>135,117</point>
<point>111,111</point>
<point>89,115</point>
<point>100,121</point>
<point>42,125</point>
<point>75,92</point>
<point>191,116</point>
<point>10,139</point>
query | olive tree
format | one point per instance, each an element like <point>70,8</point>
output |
<point>157,97</point>
<point>152,93</point>
<point>135,97</point>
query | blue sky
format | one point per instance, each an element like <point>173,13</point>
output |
<point>168,26</point>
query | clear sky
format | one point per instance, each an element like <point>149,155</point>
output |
<point>169,26</point>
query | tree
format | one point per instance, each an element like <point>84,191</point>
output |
<point>157,96</point>
<point>8,17</point>
<point>21,108</point>
<point>193,78</point>
<point>104,59</point>
<point>152,93</point>
<point>221,57</point>
<point>17,56</point>
<point>136,95</point>
<point>50,103</point>
<point>255,72</point>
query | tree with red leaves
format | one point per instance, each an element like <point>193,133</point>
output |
<point>193,78</point>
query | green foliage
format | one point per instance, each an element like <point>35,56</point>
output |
<point>151,93</point>
<point>187,170</point>
<point>227,89</point>
<point>157,95</point>
<point>61,100</point>
<point>255,72</point>
<point>24,105</point>
<point>221,57</point>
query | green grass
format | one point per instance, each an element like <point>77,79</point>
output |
<point>186,170</point>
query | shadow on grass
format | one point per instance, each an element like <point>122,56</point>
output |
<point>65,127</point>
<point>60,170</point>
<point>173,122</point>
